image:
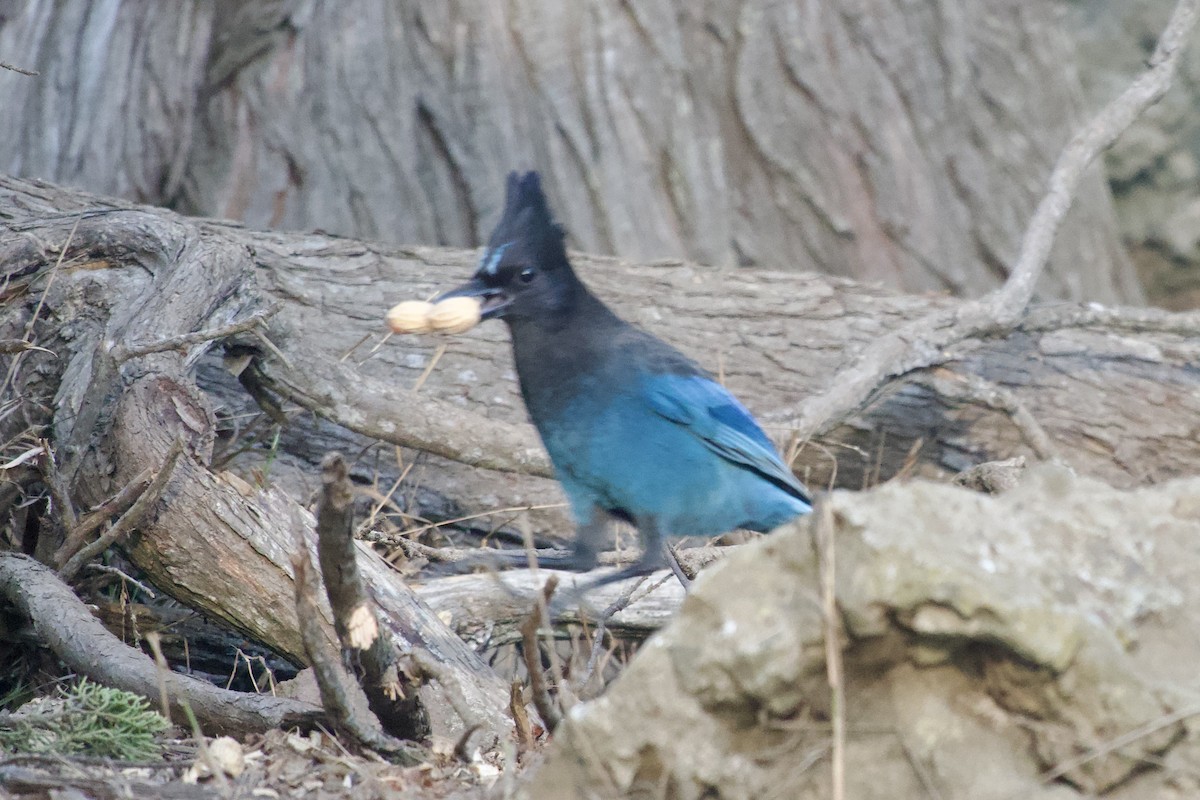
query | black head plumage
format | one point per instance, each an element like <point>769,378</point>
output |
<point>524,273</point>
<point>527,231</point>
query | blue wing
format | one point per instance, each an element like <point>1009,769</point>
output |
<point>710,413</point>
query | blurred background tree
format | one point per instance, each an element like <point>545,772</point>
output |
<point>899,143</point>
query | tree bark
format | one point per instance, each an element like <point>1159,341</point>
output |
<point>217,544</point>
<point>772,337</point>
<point>877,140</point>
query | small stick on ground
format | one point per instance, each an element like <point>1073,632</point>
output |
<point>127,521</point>
<point>355,617</point>
<point>823,530</point>
<point>342,697</point>
<point>529,640</point>
<point>614,608</point>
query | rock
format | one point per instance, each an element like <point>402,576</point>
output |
<point>989,639</point>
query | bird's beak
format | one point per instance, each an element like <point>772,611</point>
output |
<point>493,301</point>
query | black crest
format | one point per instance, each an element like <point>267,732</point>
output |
<point>527,230</point>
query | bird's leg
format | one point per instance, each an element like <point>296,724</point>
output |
<point>654,557</point>
<point>582,557</point>
<point>652,560</point>
<point>585,553</point>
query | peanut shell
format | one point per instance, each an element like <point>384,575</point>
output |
<point>411,316</point>
<point>455,315</point>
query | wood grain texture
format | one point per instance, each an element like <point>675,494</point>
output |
<point>893,142</point>
<point>1121,405</point>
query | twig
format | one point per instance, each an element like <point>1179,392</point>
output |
<point>59,492</point>
<point>127,521</point>
<point>26,457</point>
<point>341,696</point>
<point>1125,739</point>
<point>969,388</point>
<point>429,667</point>
<point>617,606</point>
<point>118,503</point>
<point>483,556</point>
<point>1133,320</point>
<point>122,353</point>
<point>125,577</point>
<point>273,348</point>
<point>355,616</point>
<point>923,342</point>
<point>424,376</point>
<point>823,540</point>
<point>8,346</point>
<point>408,533</point>
<point>532,650</point>
<point>385,499</point>
<point>33,73</point>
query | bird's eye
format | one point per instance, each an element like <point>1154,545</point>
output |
<point>527,275</point>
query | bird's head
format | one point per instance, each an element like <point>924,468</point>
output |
<point>524,272</point>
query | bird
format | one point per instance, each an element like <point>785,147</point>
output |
<point>636,431</point>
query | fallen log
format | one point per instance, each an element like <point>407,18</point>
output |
<point>119,297</point>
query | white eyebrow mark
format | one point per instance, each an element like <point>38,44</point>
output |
<point>491,259</point>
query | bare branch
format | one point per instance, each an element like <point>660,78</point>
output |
<point>122,353</point>
<point>341,696</point>
<point>355,615</point>
<point>923,342</point>
<point>127,521</point>
<point>551,717</point>
<point>64,624</point>
<point>33,73</point>
<point>117,504</point>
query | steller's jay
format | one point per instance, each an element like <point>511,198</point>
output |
<point>635,429</point>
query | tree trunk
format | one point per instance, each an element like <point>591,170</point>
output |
<point>891,142</point>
